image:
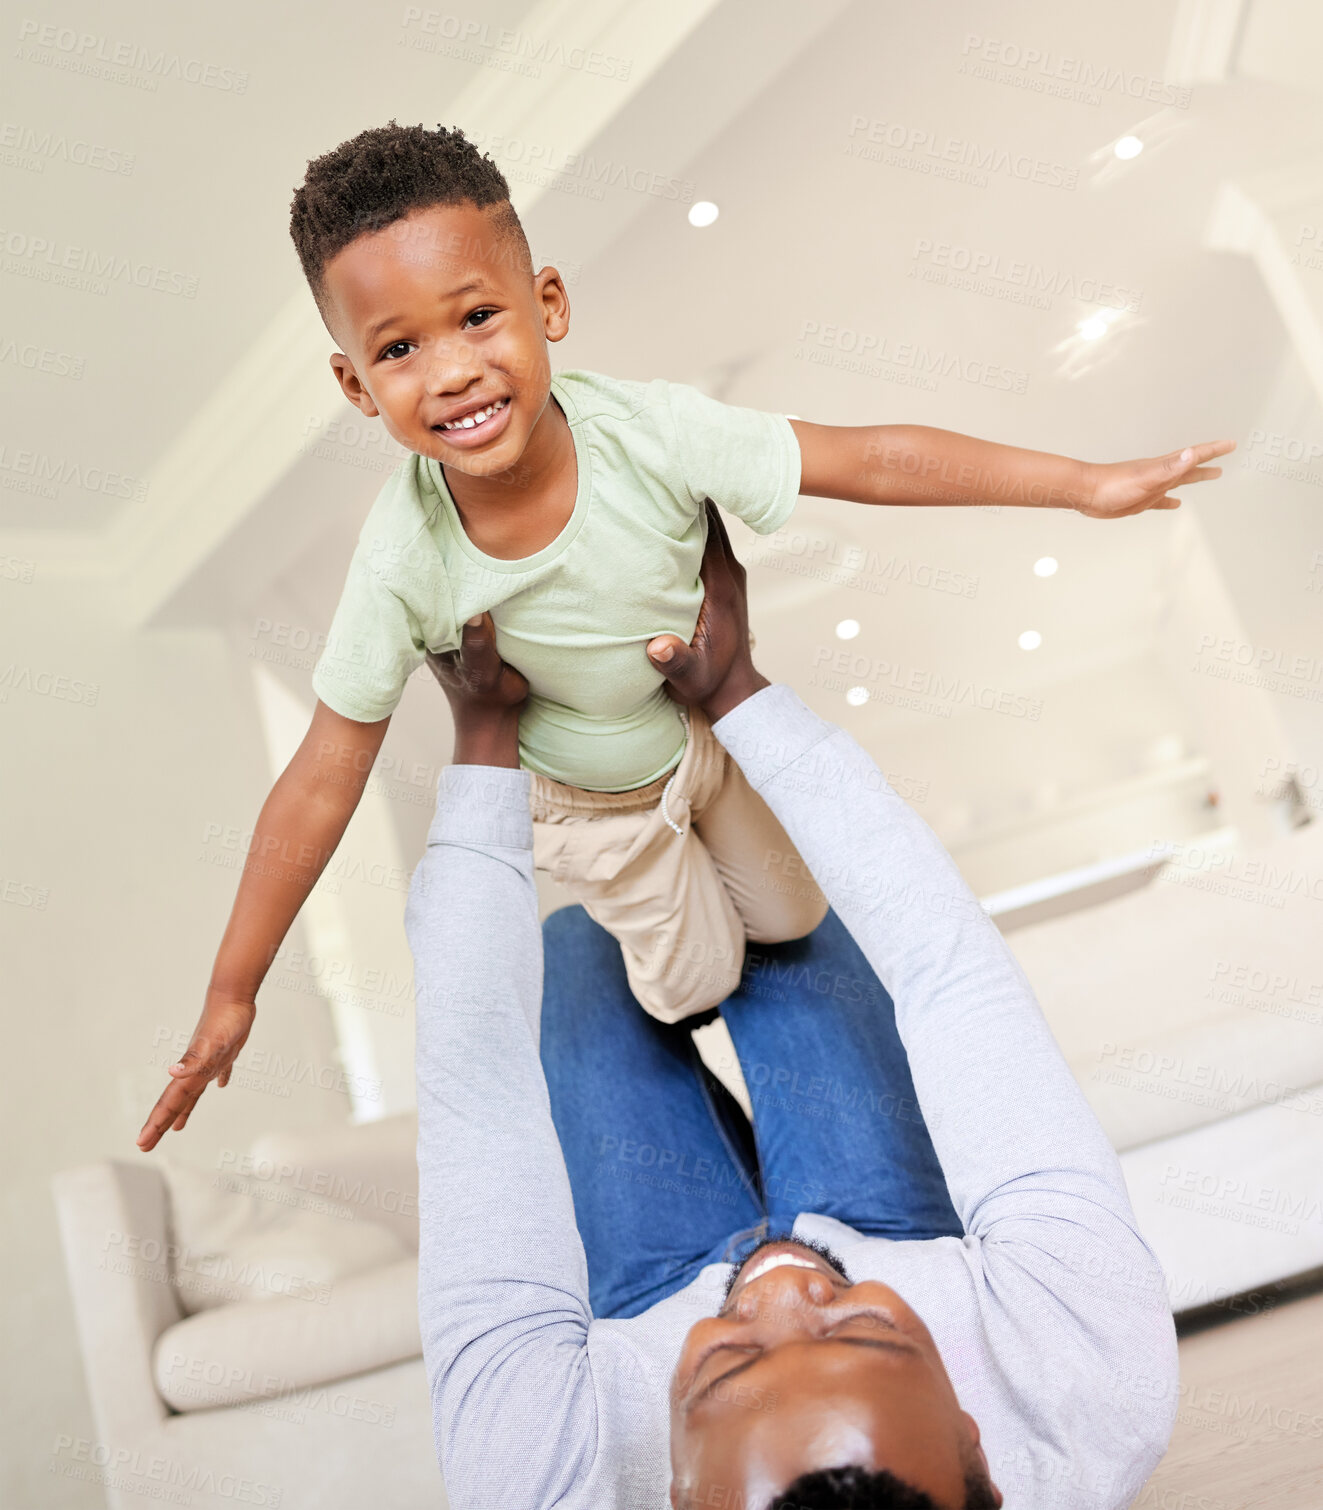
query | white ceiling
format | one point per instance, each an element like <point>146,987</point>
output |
<point>207,199</point>
<point>745,103</point>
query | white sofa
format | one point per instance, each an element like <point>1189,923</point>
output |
<point>1191,1013</point>
<point>336,1443</point>
<point>1208,1080</point>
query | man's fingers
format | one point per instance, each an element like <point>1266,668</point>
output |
<point>441,662</point>
<point>478,654</point>
<point>716,525</point>
<point>476,659</point>
<point>475,631</point>
<point>477,641</point>
<point>719,547</point>
<point>669,653</point>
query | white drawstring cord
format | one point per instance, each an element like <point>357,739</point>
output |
<point>665,810</point>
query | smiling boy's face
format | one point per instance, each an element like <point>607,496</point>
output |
<point>439,319</point>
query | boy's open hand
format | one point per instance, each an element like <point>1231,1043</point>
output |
<point>221,1032</point>
<point>1116,489</point>
<point>715,670</point>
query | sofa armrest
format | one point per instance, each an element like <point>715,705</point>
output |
<point>115,1231</point>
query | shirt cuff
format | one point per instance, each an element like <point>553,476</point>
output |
<point>786,495</point>
<point>770,731</point>
<point>348,701</point>
<point>483,805</point>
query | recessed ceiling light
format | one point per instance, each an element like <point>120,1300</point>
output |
<point>1030,640</point>
<point>703,212</point>
<point>1045,566</point>
<point>1128,147</point>
<point>847,629</point>
<point>857,696</point>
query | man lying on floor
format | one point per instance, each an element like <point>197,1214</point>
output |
<point>626,1290</point>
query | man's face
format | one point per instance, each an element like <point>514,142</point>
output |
<point>438,319</point>
<point>802,1370</point>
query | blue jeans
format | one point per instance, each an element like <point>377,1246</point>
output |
<point>666,1171</point>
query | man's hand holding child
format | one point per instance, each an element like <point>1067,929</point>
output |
<point>715,670</point>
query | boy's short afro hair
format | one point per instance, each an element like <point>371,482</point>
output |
<point>383,174</point>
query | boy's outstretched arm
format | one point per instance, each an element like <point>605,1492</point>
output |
<point>298,829</point>
<point>914,464</point>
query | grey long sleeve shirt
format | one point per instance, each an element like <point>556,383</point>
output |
<point>1050,1314</point>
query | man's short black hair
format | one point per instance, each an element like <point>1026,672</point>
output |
<point>384,174</point>
<point>864,1489</point>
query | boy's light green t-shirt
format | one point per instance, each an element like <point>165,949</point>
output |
<point>575,616</point>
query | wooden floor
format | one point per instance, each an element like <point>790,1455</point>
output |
<point>1249,1432</point>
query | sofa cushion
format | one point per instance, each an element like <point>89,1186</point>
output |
<point>369,1167</point>
<point>259,1349</point>
<point>1232,1207</point>
<point>1197,998</point>
<point>228,1246</point>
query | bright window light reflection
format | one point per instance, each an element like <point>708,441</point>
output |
<point>1030,640</point>
<point>857,696</point>
<point>703,212</point>
<point>847,629</point>
<point>1045,566</point>
<point>1096,326</point>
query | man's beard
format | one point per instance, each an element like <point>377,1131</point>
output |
<point>821,1249</point>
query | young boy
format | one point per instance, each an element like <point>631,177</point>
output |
<point>571,508</point>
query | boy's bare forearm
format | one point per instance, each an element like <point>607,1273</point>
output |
<point>298,830</point>
<point>292,843</point>
<point>919,464</point>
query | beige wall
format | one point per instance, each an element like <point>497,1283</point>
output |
<point>111,787</point>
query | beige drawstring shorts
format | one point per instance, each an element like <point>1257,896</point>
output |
<point>681,871</point>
